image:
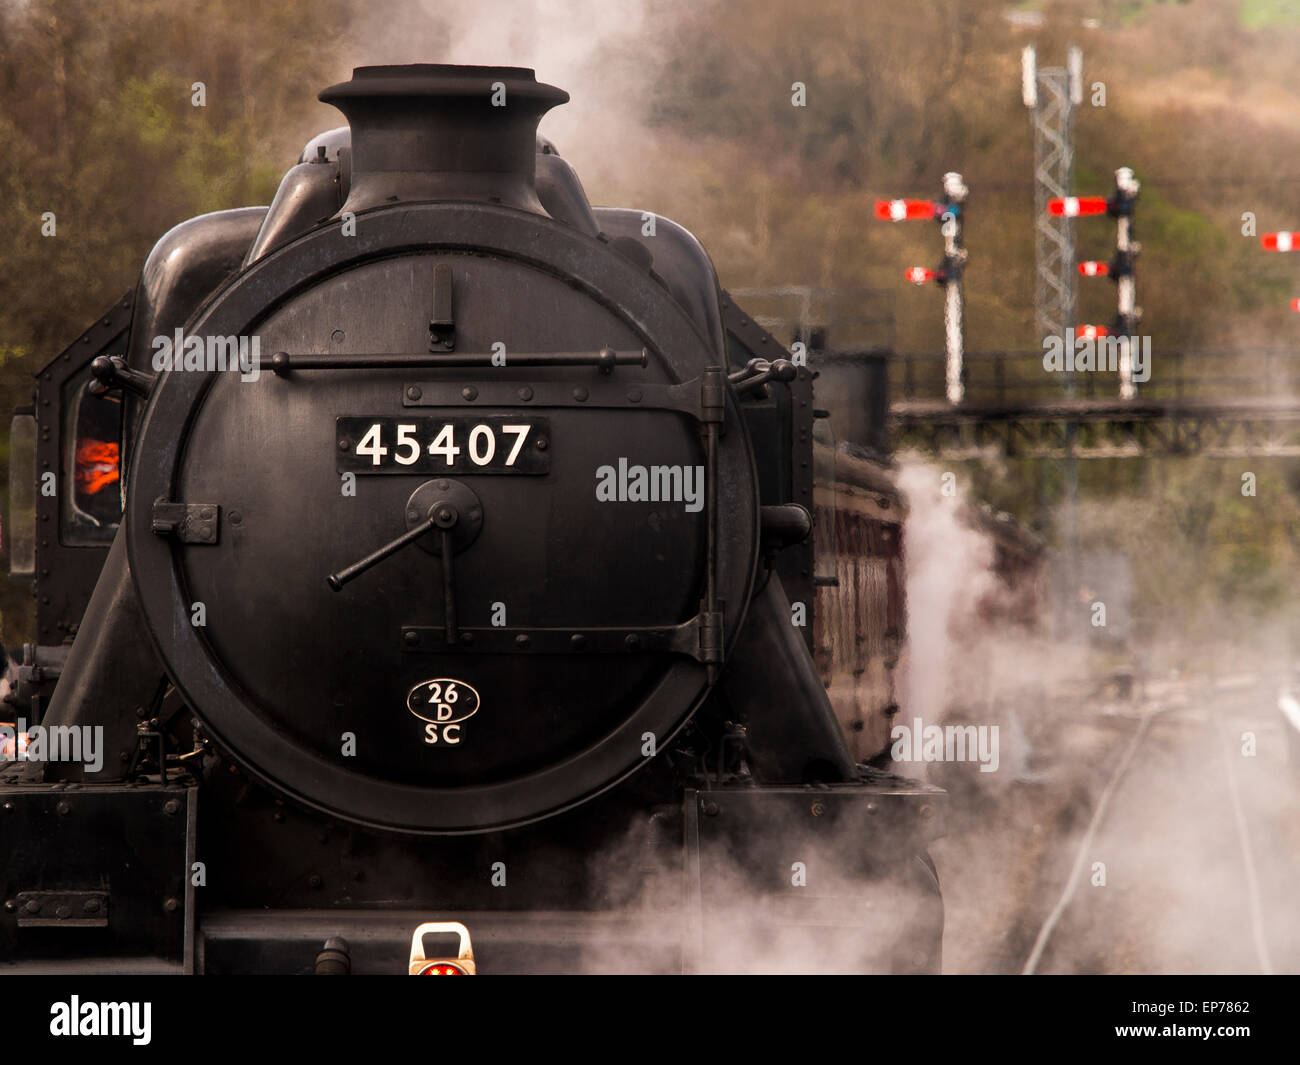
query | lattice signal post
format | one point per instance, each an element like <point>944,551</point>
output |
<point>1051,94</point>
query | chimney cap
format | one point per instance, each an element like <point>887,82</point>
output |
<point>443,80</point>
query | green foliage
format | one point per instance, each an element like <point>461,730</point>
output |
<point>99,128</point>
<point>1262,14</point>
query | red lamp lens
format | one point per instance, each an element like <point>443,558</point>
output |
<point>442,968</point>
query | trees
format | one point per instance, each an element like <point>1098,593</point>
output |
<point>106,150</point>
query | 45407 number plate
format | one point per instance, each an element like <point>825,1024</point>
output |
<point>488,444</point>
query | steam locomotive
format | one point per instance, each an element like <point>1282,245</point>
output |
<point>432,554</point>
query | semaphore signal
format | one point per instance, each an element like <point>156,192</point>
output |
<point>1119,206</point>
<point>949,211</point>
<point>906,210</point>
<point>1074,206</point>
<point>1283,240</point>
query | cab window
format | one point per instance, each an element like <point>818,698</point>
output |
<point>91,431</point>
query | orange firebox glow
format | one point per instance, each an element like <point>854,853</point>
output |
<point>96,465</point>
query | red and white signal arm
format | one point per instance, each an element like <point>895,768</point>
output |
<point>1091,332</point>
<point>1073,206</point>
<point>461,965</point>
<point>1295,305</point>
<point>904,210</point>
<point>1281,241</point>
<point>1093,268</point>
<point>919,275</point>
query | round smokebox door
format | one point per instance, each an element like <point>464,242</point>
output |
<point>443,598</point>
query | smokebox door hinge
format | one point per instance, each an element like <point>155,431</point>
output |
<point>711,636</point>
<point>191,523</point>
<point>713,396</point>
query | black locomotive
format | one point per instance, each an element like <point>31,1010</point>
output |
<point>464,572</point>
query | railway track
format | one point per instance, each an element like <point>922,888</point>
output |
<point>1188,861</point>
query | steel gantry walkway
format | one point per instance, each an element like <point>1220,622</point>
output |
<point>1101,429</point>
<point>1230,406</point>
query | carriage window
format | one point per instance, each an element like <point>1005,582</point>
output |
<point>826,561</point>
<point>90,490</point>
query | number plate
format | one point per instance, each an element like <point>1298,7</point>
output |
<point>490,444</point>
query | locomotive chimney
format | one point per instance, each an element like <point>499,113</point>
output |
<point>443,132</point>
